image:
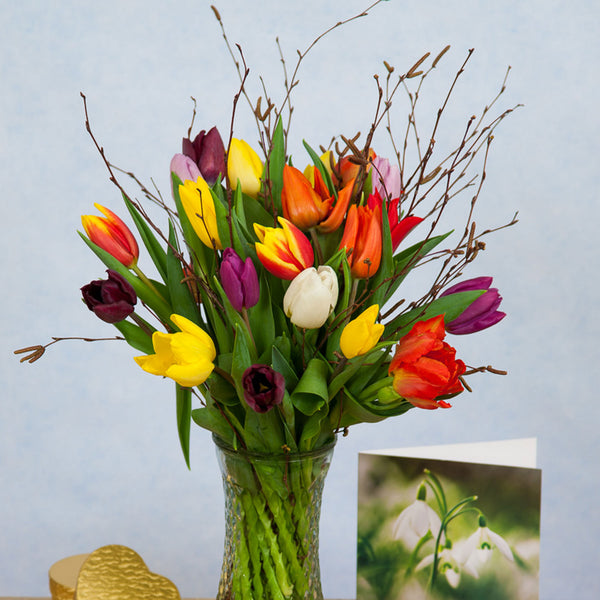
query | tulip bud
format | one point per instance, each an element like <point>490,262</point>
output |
<point>361,334</point>
<point>386,178</point>
<point>112,299</point>
<point>480,314</point>
<point>264,388</point>
<point>208,153</point>
<point>362,240</point>
<point>185,168</point>
<point>239,280</point>
<point>245,166</point>
<point>311,297</point>
<point>112,235</point>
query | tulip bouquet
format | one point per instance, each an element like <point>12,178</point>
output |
<point>277,304</point>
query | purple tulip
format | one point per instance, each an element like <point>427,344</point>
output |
<point>239,280</point>
<point>480,314</point>
<point>208,152</point>
<point>185,168</point>
<point>112,299</point>
<point>264,388</point>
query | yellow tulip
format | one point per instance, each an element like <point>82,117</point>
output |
<point>361,334</point>
<point>199,207</point>
<point>186,356</point>
<point>245,166</point>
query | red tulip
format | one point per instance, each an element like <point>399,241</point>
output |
<point>399,229</point>
<point>363,240</point>
<point>424,367</point>
<point>112,235</point>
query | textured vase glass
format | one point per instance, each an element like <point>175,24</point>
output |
<point>272,510</point>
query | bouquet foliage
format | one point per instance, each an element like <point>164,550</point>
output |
<point>277,307</point>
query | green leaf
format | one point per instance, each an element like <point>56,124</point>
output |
<point>219,330</point>
<point>311,392</point>
<point>375,371</point>
<point>261,318</point>
<point>312,429</point>
<point>349,371</point>
<point>276,163</point>
<point>153,246</point>
<point>222,213</point>
<point>210,418</point>
<point>322,169</point>
<point>181,296</point>
<point>281,364</point>
<point>184,415</point>
<point>263,432</point>
<point>241,357</point>
<point>135,336</point>
<point>222,391</point>
<point>450,306</point>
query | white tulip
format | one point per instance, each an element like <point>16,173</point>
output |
<point>311,297</point>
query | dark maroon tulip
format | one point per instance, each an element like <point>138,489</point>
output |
<point>480,314</point>
<point>112,299</point>
<point>239,280</point>
<point>263,388</point>
<point>208,152</point>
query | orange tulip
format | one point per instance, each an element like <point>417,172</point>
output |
<point>311,205</point>
<point>112,235</point>
<point>349,170</point>
<point>425,367</point>
<point>362,240</point>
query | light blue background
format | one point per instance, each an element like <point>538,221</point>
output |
<point>88,448</point>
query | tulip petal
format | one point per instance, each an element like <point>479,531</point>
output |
<point>199,207</point>
<point>190,375</point>
<point>336,216</point>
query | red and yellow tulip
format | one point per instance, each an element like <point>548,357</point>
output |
<point>362,240</point>
<point>309,205</point>
<point>425,367</point>
<point>284,251</point>
<point>112,235</point>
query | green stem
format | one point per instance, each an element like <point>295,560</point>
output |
<point>142,324</point>
<point>247,322</point>
<point>147,282</point>
<point>315,239</point>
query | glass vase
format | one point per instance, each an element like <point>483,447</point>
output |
<point>272,510</point>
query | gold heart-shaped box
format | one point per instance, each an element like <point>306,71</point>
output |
<point>118,573</point>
